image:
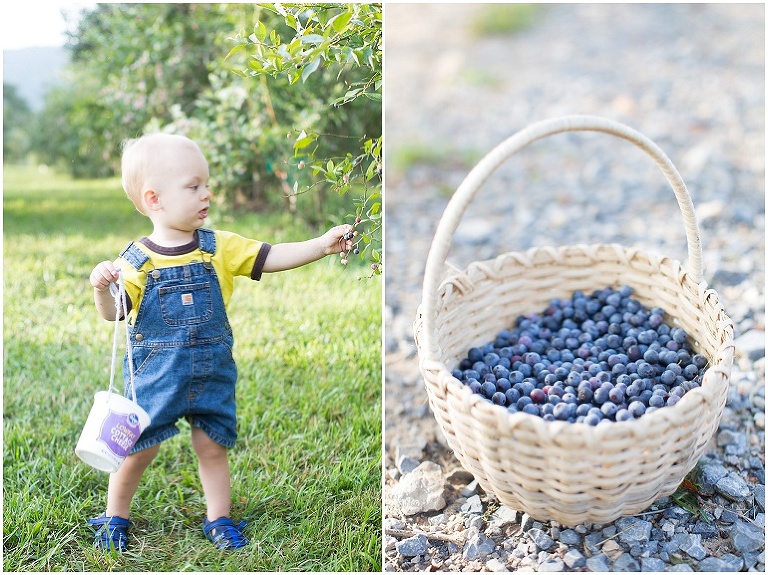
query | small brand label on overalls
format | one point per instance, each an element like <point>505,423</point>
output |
<point>186,299</point>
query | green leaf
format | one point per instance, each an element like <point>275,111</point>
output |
<point>340,22</point>
<point>237,48</point>
<point>303,141</point>
<point>311,39</point>
<point>310,68</point>
<point>260,31</point>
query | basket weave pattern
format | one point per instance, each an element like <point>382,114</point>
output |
<point>556,470</point>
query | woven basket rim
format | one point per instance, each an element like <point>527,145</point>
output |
<point>720,361</point>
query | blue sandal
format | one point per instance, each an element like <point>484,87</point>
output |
<point>112,532</point>
<point>225,533</point>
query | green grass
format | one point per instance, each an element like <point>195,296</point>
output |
<point>504,19</point>
<point>306,471</point>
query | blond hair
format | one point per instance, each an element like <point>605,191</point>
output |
<point>142,159</point>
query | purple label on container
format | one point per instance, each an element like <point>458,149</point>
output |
<point>120,432</point>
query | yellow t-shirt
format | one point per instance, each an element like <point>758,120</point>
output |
<point>235,256</point>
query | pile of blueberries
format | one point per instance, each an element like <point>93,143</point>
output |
<point>589,359</point>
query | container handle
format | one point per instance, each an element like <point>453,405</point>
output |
<point>464,194</point>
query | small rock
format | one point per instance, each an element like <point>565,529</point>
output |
<point>751,344</point>
<point>413,546</point>
<point>727,562</point>
<point>478,546</point>
<point>651,564</point>
<point>691,544</point>
<point>552,565</point>
<point>759,494</point>
<point>541,539</point>
<point>420,490</point>
<point>470,489</point>
<point>625,562</point>
<point>407,464</point>
<point>599,563</point>
<point>751,559</point>
<point>729,516</point>
<point>677,513</point>
<point>706,530</point>
<point>590,542</point>
<point>503,516</point>
<point>476,522</point>
<point>681,567</point>
<point>438,519</point>
<point>570,537</point>
<point>473,505</point>
<point>496,566</point>
<point>526,522</point>
<point>612,549</point>
<point>574,559</point>
<point>710,474</point>
<point>733,487</point>
<point>633,531</point>
<point>746,537</point>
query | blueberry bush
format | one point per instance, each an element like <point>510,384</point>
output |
<point>590,359</point>
<point>341,42</point>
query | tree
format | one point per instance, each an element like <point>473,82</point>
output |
<point>16,118</point>
<point>342,41</point>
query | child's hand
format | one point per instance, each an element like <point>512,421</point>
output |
<point>335,242</point>
<point>104,274</point>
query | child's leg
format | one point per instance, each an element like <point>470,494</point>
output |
<point>125,481</point>
<point>214,474</point>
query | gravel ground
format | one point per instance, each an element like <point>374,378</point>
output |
<point>691,78</point>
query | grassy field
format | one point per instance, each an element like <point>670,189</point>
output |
<point>306,471</point>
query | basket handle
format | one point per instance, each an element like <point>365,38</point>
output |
<point>464,194</point>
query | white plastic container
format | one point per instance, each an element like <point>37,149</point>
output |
<point>112,429</point>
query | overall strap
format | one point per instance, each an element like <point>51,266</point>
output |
<point>134,256</point>
<point>206,240</point>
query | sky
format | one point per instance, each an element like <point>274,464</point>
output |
<point>33,23</point>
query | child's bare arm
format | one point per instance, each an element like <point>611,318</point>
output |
<point>291,255</point>
<point>102,275</point>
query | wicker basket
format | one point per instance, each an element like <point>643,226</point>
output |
<point>568,472</point>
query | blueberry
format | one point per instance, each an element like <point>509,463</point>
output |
<point>600,396</point>
<point>623,415</point>
<point>503,385</point>
<point>651,356</point>
<point>488,389</point>
<point>668,377</point>
<point>690,371</point>
<point>523,401</point>
<point>538,396</point>
<point>531,408</point>
<point>656,401</point>
<point>512,396</point>
<point>475,355</point>
<point>645,369</point>
<point>590,358</point>
<point>591,419</point>
<point>562,411</point>
<point>636,408</point>
<point>616,395</point>
<point>585,393</point>
<point>700,361</point>
<point>609,409</point>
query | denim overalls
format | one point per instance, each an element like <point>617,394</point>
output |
<point>182,349</point>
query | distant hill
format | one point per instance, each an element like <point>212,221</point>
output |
<point>34,71</point>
